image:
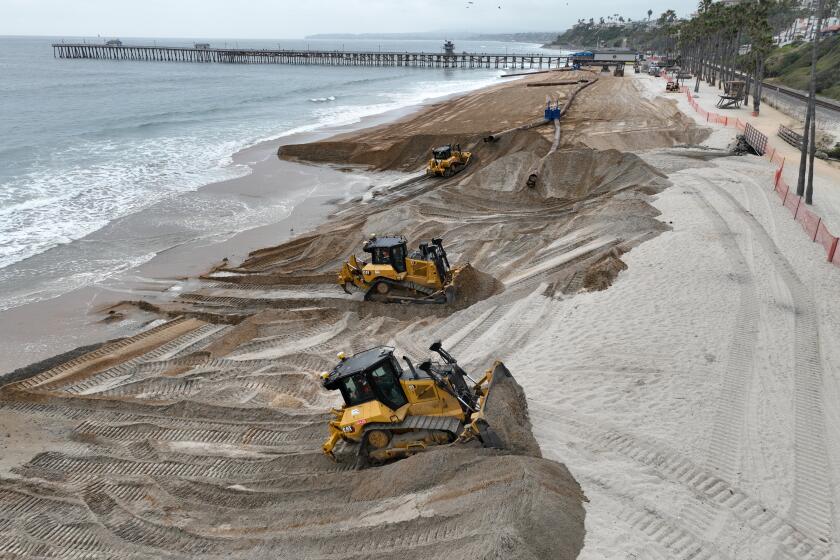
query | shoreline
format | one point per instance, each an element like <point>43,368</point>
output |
<point>40,329</point>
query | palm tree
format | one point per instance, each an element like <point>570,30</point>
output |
<point>812,110</point>
<point>762,42</point>
<point>650,13</point>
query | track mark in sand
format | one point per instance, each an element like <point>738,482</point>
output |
<point>125,371</point>
<point>680,543</point>
<point>812,505</point>
<point>728,430</point>
<point>708,488</point>
<point>479,326</point>
<point>99,353</point>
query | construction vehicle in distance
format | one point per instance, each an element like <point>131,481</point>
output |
<point>619,70</point>
<point>448,160</point>
<point>395,276</point>
<point>390,412</point>
<point>672,87</point>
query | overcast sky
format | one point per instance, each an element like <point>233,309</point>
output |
<point>282,19</point>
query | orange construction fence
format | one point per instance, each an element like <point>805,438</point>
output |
<point>810,222</point>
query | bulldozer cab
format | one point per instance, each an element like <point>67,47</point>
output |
<point>442,153</point>
<point>387,251</point>
<point>370,375</point>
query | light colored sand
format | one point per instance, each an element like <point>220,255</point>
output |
<point>697,399</point>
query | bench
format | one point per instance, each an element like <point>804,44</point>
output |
<point>791,137</point>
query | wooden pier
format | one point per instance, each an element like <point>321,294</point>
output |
<point>325,58</point>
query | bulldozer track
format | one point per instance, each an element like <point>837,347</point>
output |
<point>222,469</point>
<point>792,540</point>
<point>728,428</point>
<point>441,423</point>
<point>812,505</point>
<point>104,350</point>
<point>681,542</point>
<point>90,384</point>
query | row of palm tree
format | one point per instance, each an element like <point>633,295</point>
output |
<point>808,149</point>
<point>710,46</point>
<point>668,16</point>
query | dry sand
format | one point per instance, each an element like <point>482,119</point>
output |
<point>668,393</point>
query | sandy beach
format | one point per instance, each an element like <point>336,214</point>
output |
<point>300,196</point>
<point>671,327</point>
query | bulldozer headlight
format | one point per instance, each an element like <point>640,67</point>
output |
<point>347,429</point>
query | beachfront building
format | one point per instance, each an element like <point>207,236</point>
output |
<point>803,29</point>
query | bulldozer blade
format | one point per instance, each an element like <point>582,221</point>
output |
<point>489,413</point>
<point>487,435</point>
<point>346,289</point>
<point>450,294</point>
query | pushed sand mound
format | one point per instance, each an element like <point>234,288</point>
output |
<point>404,154</point>
<point>226,465</point>
<point>472,286</point>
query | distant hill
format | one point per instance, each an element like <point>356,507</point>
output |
<point>791,65</point>
<point>395,36</point>
<point>636,35</point>
<point>525,37</point>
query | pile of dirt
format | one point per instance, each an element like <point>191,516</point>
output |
<point>194,479</point>
<point>584,173</point>
<point>601,274</point>
<point>512,506</point>
<point>506,411</point>
<point>472,286</point>
<point>740,146</point>
<point>402,154</point>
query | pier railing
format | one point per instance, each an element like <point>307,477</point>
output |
<point>284,56</point>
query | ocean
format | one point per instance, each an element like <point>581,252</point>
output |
<point>85,143</point>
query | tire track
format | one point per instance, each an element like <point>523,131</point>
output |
<point>812,505</point>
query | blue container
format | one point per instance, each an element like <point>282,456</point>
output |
<point>552,112</point>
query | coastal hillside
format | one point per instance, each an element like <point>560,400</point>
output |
<point>646,33</point>
<point>591,34</point>
<point>791,66</point>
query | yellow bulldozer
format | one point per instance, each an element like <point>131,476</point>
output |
<point>390,412</point>
<point>395,276</point>
<point>448,160</point>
